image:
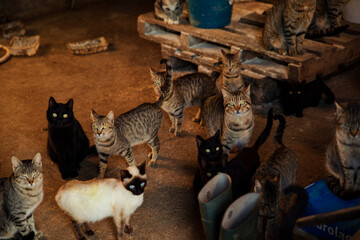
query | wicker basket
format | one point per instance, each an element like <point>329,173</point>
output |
<point>24,45</point>
<point>88,46</point>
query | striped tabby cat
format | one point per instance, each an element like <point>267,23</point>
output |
<point>286,24</point>
<point>116,136</point>
<point>343,153</point>
<point>183,92</point>
<point>327,18</point>
<point>233,116</point>
<point>20,195</point>
<point>272,177</point>
<point>230,78</point>
<point>169,10</point>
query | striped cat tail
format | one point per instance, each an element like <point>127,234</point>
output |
<point>266,132</point>
<point>280,130</point>
<point>315,33</point>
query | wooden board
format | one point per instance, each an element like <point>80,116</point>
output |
<point>203,46</point>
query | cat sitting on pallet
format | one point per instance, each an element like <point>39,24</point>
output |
<point>169,10</point>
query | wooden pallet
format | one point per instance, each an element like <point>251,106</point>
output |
<point>202,46</point>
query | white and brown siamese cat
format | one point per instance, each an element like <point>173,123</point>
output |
<point>169,10</point>
<point>94,200</point>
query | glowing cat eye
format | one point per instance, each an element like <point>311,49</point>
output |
<point>207,150</point>
<point>208,174</point>
<point>231,104</point>
<point>142,184</point>
<point>105,127</point>
<point>242,102</point>
<point>217,148</point>
<point>54,115</point>
<point>65,115</point>
<point>290,92</point>
<point>298,92</point>
<point>131,186</point>
<point>157,83</point>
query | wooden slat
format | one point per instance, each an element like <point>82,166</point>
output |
<point>267,68</point>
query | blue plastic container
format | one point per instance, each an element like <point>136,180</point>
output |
<point>209,13</point>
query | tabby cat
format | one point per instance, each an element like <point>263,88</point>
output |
<point>67,143</point>
<point>94,200</point>
<point>116,136</point>
<point>169,10</point>
<point>230,78</point>
<point>20,195</point>
<point>343,153</point>
<point>296,97</point>
<point>327,18</point>
<point>234,117</point>
<point>188,90</point>
<point>273,176</point>
<point>286,24</point>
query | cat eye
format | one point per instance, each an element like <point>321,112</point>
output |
<point>298,92</point>
<point>131,186</point>
<point>290,92</point>
<point>231,104</point>
<point>142,184</point>
<point>105,127</point>
<point>207,150</point>
<point>217,149</point>
<point>208,174</point>
<point>242,102</point>
<point>54,115</point>
<point>65,115</point>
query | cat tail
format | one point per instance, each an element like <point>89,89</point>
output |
<point>334,185</point>
<point>169,68</point>
<point>293,212</point>
<point>280,130</point>
<point>266,132</point>
<point>315,33</point>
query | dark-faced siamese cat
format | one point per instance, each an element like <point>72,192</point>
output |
<point>94,200</point>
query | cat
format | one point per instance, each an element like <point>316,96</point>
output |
<point>233,116</point>
<point>273,176</point>
<point>286,24</point>
<point>94,200</point>
<point>241,168</point>
<point>342,154</point>
<point>327,19</point>
<point>188,90</point>
<point>169,10</point>
<point>296,97</point>
<point>116,136</point>
<point>230,78</point>
<point>67,142</point>
<point>20,195</point>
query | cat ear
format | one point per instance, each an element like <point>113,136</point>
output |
<point>276,178</point>
<point>37,160</point>
<point>125,174</point>
<point>217,134</point>
<point>339,109</point>
<point>153,73</point>
<point>94,116</point>
<point>52,102</point>
<point>70,104</point>
<point>238,54</point>
<point>199,140</point>
<point>225,93</point>
<point>16,163</point>
<point>223,52</point>
<point>247,91</point>
<point>110,117</point>
<point>142,168</point>
<point>257,186</point>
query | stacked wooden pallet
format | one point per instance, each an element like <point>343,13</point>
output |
<point>202,46</point>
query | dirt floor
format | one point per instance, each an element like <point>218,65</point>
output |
<point>119,80</point>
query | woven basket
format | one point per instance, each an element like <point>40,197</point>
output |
<point>88,46</point>
<point>24,45</point>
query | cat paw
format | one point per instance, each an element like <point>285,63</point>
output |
<point>89,233</point>
<point>128,229</point>
<point>172,130</point>
<point>178,134</point>
<point>39,235</point>
<point>282,51</point>
<point>152,163</point>
<point>292,52</point>
<point>197,120</point>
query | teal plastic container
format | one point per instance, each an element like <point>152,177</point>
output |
<point>209,13</point>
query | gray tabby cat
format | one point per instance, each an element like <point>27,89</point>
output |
<point>327,18</point>
<point>343,153</point>
<point>286,24</point>
<point>230,78</point>
<point>169,10</point>
<point>271,178</point>
<point>233,116</point>
<point>188,90</point>
<point>116,136</point>
<point>20,195</point>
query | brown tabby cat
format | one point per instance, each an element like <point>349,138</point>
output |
<point>20,195</point>
<point>343,153</point>
<point>327,18</point>
<point>169,10</point>
<point>233,116</point>
<point>117,136</point>
<point>272,177</point>
<point>230,78</point>
<point>183,92</point>
<point>286,24</point>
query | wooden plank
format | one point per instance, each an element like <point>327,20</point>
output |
<point>254,19</point>
<point>258,7</point>
<point>267,68</point>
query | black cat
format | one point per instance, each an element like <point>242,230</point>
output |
<point>241,168</point>
<point>296,97</point>
<point>67,143</point>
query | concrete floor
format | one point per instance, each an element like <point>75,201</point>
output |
<point>119,80</point>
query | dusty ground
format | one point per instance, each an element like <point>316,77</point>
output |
<point>119,80</point>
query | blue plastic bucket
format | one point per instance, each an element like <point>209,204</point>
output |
<point>209,13</point>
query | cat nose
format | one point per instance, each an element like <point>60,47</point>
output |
<point>31,181</point>
<point>99,132</point>
<point>354,132</point>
